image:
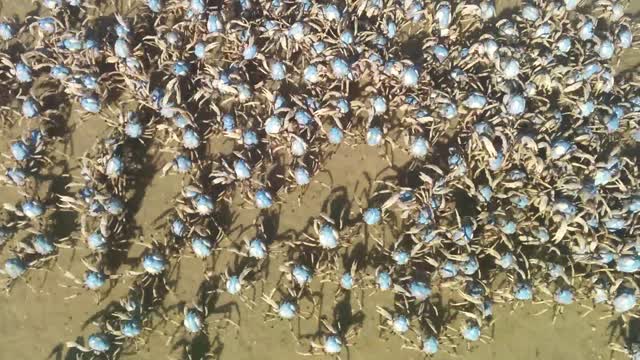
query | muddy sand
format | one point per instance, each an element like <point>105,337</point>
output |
<point>35,324</point>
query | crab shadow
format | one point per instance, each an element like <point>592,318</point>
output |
<point>275,176</point>
<point>358,254</point>
<point>200,347</point>
<point>344,320</point>
<point>439,314</point>
<point>61,352</point>
<point>270,225</point>
<point>338,207</point>
<point>633,332</point>
<point>63,223</point>
<point>466,205</point>
<point>101,315</point>
<point>345,316</point>
<point>210,297</point>
<point>629,332</point>
<point>139,189</point>
<point>224,218</point>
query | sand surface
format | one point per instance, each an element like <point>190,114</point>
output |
<point>35,324</point>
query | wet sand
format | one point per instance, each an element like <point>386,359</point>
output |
<point>34,324</point>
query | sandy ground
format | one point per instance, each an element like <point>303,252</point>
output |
<point>34,324</point>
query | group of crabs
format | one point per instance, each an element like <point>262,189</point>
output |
<point>521,183</point>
